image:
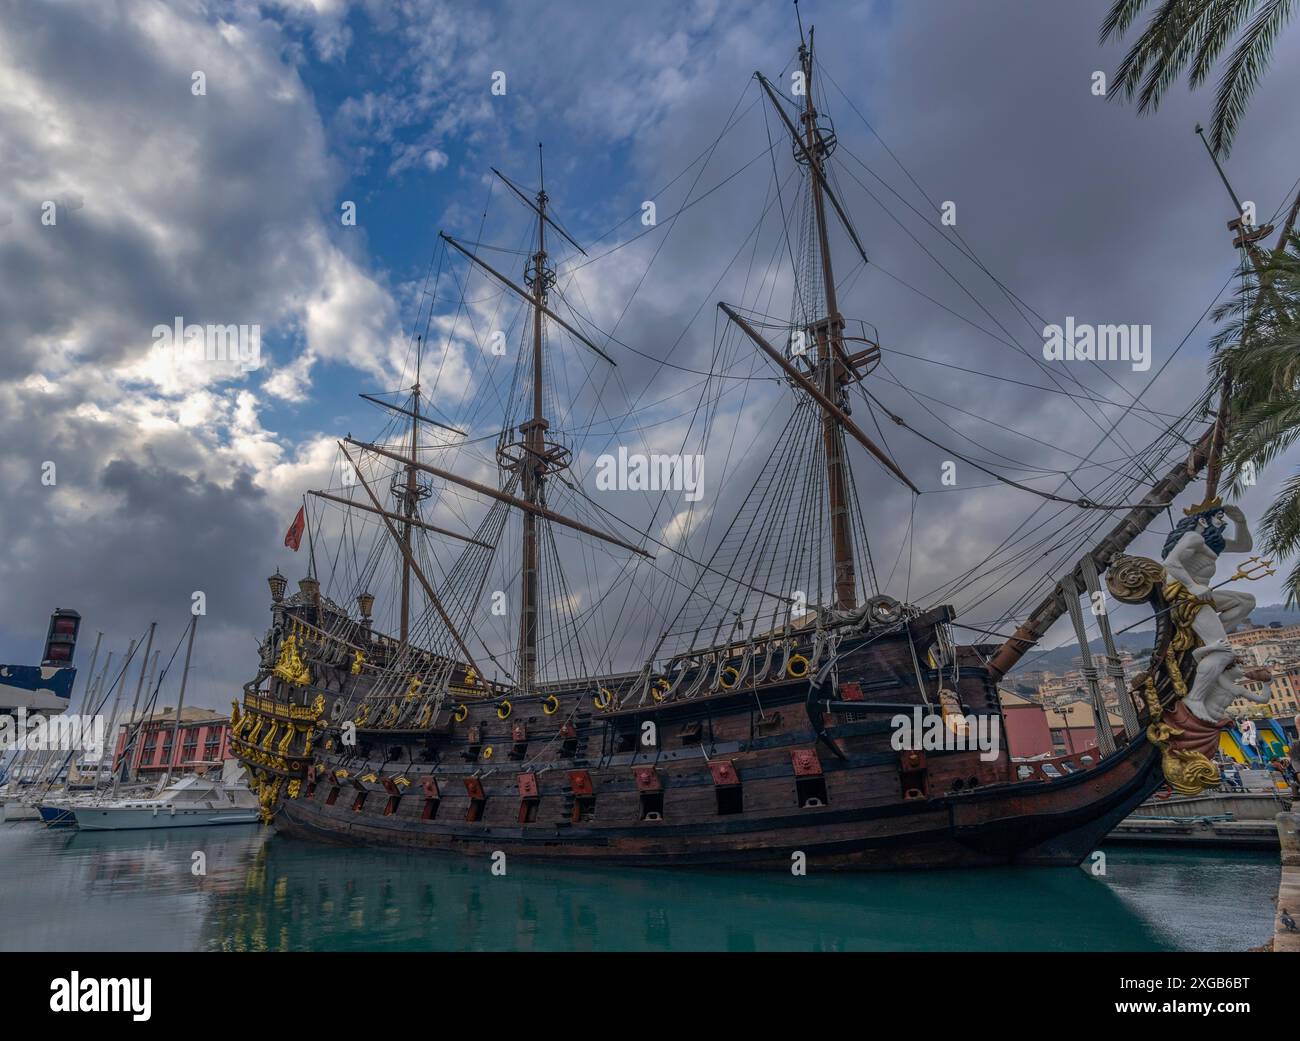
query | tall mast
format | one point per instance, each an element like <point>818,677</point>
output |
<point>180,703</point>
<point>409,497</point>
<point>1247,237</point>
<point>831,372</point>
<point>533,460</point>
<point>535,455</point>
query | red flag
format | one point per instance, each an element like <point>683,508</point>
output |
<point>293,537</point>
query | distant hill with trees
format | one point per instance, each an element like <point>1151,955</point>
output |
<point>1138,641</point>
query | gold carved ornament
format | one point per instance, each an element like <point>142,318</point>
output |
<point>267,792</point>
<point>290,667</point>
<point>286,741</point>
<point>1188,772</point>
<point>1133,580</point>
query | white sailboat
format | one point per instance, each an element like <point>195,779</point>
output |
<point>192,801</point>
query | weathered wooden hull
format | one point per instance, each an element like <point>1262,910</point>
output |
<point>746,777</point>
<point>1038,823</point>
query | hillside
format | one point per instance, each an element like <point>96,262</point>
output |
<point>1138,641</point>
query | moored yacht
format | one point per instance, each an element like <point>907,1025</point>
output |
<point>189,802</point>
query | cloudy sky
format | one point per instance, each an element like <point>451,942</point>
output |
<point>224,205</point>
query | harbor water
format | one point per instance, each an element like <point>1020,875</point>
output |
<point>244,888</point>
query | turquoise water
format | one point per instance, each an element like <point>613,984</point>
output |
<point>64,890</point>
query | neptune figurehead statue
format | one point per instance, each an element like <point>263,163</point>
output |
<point>1210,524</point>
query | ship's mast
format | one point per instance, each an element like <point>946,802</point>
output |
<point>533,460</point>
<point>1247,238</point>
<point>831,374</point>
<point>409,493</point>
<point>834,367</point>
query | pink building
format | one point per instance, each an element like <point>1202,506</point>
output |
<point>203,743</point>
<point>1065,730</point>
<point>1028,734</point>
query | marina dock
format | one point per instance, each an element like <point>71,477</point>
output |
<point>1288,888</point>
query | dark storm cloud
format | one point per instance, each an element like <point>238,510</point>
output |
<point>1079,205</point>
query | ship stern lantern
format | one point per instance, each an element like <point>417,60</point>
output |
<point>309,587</point>
<point>366,606</point>
<point>277,582</point>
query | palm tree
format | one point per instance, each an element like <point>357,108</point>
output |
<point>1258,351</point>
<point>1192,34</point>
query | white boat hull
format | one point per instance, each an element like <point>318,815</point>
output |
<point>13,810</point>
<point>109,818</point>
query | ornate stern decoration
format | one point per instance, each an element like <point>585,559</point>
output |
<point>274,735</point>
<point>290,667</point>
<point>1186,743</point>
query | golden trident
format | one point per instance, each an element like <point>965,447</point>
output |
<point>1254,568</point>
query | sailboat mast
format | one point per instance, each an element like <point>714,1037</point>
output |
<point>831,374</point>
<point>534,462</point>
<point>180,704</point>
<point>409,496</point>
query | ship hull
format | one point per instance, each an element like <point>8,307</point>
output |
<point>140,819</point>
<point>13,810</point>
<point>766,777</point>
<point>1041,823</point>
<point>53,816</point>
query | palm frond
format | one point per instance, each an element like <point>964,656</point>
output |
<point>1225,19</point>
<point>1279,528</point>
<point>1192,36</point>
<point>1123,14</point>
<point>1245,67</point>
<point>1291,588</point>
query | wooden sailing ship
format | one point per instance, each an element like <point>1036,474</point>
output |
<point>753,731</point>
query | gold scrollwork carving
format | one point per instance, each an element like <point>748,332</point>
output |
<point>290,667</point>
<point>286,741</point>
<point>1131,580</point>
<point>1186,770</point>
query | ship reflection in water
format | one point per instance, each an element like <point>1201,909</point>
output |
<point>137,890</point>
